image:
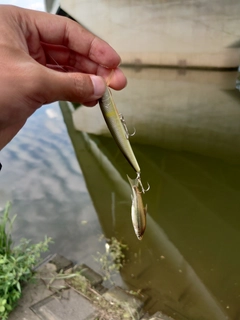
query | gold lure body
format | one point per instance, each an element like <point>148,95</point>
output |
<point>138,211</point>
<point>117,127</point>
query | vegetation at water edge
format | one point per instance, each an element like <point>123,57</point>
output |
<point>16,263</point>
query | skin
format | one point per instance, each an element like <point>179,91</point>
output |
<point>34,47</point>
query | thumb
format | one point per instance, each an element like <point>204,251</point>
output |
<point>72,86</point>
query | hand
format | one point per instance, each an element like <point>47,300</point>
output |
<point>34,47</point>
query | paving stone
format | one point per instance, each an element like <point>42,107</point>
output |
<point>46,270</point>
<point>94,316</point>
<point>93,277</point>
<point>100,289</point>
<point>38,302</point>
<point>61,262</point>
<point>31,293</point>
<point>71,308</point>
<point>47,273</point>
<point>125,300</point>
<point>160,316</point>
<point>44,262</point>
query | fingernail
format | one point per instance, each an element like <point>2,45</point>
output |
<point>99,86</point>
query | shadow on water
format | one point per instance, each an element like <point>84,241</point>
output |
<point>187,144</point>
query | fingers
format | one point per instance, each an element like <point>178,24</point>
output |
<point>57,30</point>
<point>57,40</point>
<point>62,59</point>
<point>75,87</point>
<point>64,56</point>
<point>113,77</point>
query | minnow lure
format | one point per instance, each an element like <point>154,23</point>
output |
<point>138,211</point>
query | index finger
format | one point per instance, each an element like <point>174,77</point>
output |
<point>59,30</point>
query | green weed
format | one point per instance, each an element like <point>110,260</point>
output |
<point>16,264</point>
<point>112,260</point>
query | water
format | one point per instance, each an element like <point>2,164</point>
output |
<point>42,178</point>
<point>187,144</point>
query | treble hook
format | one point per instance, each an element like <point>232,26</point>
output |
<point>125,127</point>
<point>140,183</point>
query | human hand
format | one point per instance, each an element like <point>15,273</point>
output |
<point>33,45</point>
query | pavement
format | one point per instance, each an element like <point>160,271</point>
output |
<point>49,298</point>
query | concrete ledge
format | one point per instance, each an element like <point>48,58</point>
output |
<point>70,306</point>
<point>132,303</point>
<point>51,298</point>
<point>61,263</point>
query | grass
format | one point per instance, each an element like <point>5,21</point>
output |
<point>16,269</point>
<point>112,260</point>
<point>16,264</point>
<point>105,309</point>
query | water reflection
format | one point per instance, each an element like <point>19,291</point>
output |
<point>192,110</point>
<point>42,178</point>
<point>188,261</point>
